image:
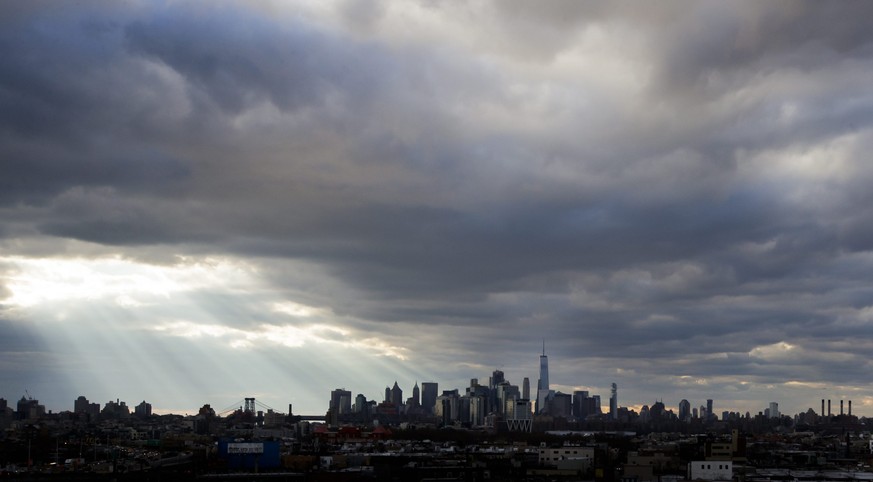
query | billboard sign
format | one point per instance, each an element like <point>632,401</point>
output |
<point>245,448</point>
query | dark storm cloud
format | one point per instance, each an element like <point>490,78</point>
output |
<point>698,189</point>
<point>241,63</point>
<point>69,106</point>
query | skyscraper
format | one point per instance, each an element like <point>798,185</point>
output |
<point>429,393</point>
<point>525,389</point>
<point>396,395</point>
<point>543,383</point>
<point>361,405</point>
<point>416,398</point>
<point>497,378</point>
<point>710,415</point>
<point>340,401</point>
<point>684,410</point>
<point>543,392</point>
<point>580,405</point>
<point>613,402</point>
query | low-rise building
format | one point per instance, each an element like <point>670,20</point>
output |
<point>710,470</point>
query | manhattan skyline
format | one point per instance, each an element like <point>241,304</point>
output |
<point>200,203</point>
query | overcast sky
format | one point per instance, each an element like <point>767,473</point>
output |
<point>201,202</point>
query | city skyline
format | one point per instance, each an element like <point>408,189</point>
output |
<point>203,203</point>
<point>705,406</point>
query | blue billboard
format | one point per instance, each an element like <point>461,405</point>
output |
<point>249,455</point>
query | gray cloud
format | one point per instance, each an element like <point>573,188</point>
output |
<point>661,190</point>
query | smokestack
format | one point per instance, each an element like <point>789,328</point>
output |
<point>829,407</point>
<point>850,408</point>
<point>822,408</point>
<point>841,407</point>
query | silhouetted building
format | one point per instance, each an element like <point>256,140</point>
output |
<point>29,409</point>
<point>116,409</point>
<point>496,378</point>
<point>396,395</point>
<point>544,394</point>
<point>429,393</point>
<point>416,397</point>
<point>613,402</point>
<point>580,408</point>
<point>340,401</point>
<point>143,409</point>
<point>361,406</point>
<point>684,410</point>
<point>204,421</point>
<point>478,410</point>
<point>448,407</point>
<point>561,405</point>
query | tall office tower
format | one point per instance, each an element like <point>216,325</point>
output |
<point>710,415</point>
<point>543,383</point>
<point>684,410</point>
<point>505,391</point>
<point>580,408</point>
<point>496,378</point>
<point>387,394</point>
<point>340,401</point>
<point>525,388</point>
<point>396,395</point>
<point>416,397</point>
<point>613,402</point>
<point>543,393</point>
<point>561,405</point>
<point>477,410</point>
<point>774,410</point>
<point>360,403</point>
<point>447,407</point>
<point>429,393</point>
